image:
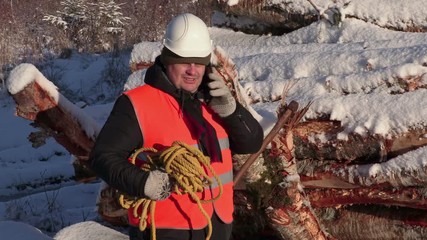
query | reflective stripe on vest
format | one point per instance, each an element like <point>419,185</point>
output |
<point>224,143</point>
<point>162,123</point>
<point>225,178</point>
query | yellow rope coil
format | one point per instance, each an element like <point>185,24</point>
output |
<point>186,165</point>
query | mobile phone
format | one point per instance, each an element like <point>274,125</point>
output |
<point>204,85</point>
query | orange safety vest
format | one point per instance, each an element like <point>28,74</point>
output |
<point>162,123</point>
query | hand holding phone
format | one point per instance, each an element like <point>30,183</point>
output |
<point>222,102</point>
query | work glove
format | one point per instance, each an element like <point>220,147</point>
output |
<point>222,102</point>
<point>158,185</point>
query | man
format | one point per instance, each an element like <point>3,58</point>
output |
<point>182,100</point>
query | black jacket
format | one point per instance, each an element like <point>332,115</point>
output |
<point>121,135</point>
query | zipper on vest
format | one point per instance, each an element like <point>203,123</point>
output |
<point>181,106</point>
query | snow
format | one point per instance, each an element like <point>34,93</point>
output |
<point>353,74</point>
<point>396,168</point>
<point>21,231</point>
<point>79,231</point>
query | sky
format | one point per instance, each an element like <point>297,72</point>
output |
<point>353,73</point>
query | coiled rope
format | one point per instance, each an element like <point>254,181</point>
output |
<point>185,165</point>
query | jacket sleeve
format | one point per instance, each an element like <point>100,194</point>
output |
<point>119,137</point>
<point>244,131</point>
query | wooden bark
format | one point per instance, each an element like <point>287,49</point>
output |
<point>289,211</point>
<point>344,222</point>
<point>363,222</point>
<point>343,181</point>
<point>409,197</point>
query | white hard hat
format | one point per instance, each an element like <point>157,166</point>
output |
<point>188,36</point>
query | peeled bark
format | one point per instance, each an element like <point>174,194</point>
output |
<point>289,211</point>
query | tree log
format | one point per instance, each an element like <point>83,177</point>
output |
<point>345,222</point>
<point>371,222</point>
<point>410,197</point>
<point>56,117</point>
<point>318,139</point>
<point>34,103</point>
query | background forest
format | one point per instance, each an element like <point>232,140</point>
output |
<point>27,36</point>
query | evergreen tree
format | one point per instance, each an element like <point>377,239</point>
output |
<point>111,20</point>
<point>92,26</point>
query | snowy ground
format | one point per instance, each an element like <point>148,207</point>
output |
<point>350,73</point>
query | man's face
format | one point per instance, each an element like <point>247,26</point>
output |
<point>186,76</point>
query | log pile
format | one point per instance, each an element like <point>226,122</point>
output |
<point>307,188</point>
<point>345,193</point>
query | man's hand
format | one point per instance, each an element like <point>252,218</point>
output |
<point>222,102</point>
<point>158,185</point>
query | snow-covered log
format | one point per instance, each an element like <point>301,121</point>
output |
<point>37,99</point>
<point>319,139</point>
